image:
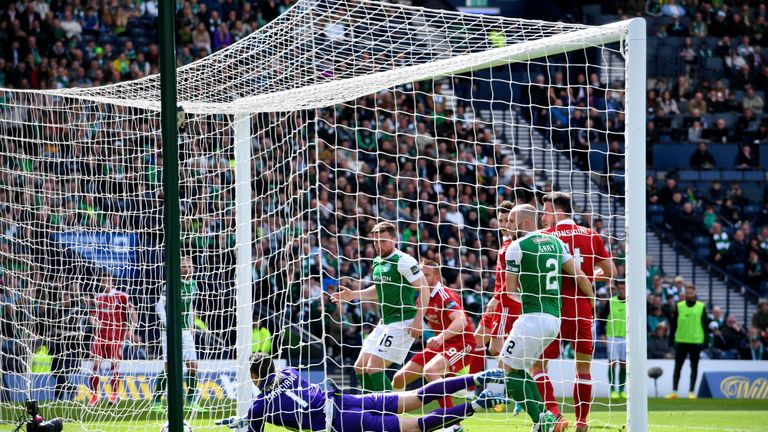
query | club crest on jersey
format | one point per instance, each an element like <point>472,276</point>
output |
<point>386,267</point>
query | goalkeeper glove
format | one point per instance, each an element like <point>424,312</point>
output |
<point>233,422</point>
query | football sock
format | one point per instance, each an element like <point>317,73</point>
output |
<point>191,386</point>
<point>114,380</point>
<point>160,385</point>
<point>547,392</point>
<point>622,377</point>
<point>93,383</point>
<point>522,388</point>
<point>439,389</point>
<point>380,381</point>
<point>582,397</point>
<point>445,417</point>
<point>477,361</point>
<point>612,376</point>
<point>367,384</point>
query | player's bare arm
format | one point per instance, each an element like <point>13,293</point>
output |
<point>423,287</point>
<point>458,324</point>
<point>605,270</point>
<point>346,295</point>
<point>512,283</point>
<point>581,280</point>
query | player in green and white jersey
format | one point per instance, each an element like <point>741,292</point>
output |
<point>397,277</point>
<point>535,262</point>
<point>188,352</point>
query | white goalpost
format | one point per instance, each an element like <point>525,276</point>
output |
<point>294,142</point>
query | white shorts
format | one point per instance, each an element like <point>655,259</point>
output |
<point>392,342</point>
<point>530,335</point>
<point>617,349</point>
<point>188,353</point>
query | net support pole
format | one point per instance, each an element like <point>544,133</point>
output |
<point>637,401</point>
<point>171,224</point>
<point>244,240</point>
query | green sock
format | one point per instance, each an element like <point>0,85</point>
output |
<point>191,386</point>
<point>381,381</point>
<point>622,377</point>
<point>367,384</point>
<point>522,388</point>
<point>611,375</point>
<point>159,387</point>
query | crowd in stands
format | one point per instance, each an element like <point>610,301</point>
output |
<point>49,44</point>
<point>400,155</point>
<point>713,99</point>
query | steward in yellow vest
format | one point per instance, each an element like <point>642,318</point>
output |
<point>689,330</point>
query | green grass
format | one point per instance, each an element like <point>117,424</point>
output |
<point>664,416</point>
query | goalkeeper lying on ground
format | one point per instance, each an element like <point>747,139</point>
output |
<point>289,401</point>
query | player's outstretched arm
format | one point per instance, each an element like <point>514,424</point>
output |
<point>346,295</point>
<point>581,279</point>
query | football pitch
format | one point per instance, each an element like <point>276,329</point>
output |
<point>664,416</point>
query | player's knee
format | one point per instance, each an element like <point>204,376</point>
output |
<point>433,373</point>
<point>359,369</point>
<point>409,424</point>
<point>398,381</point>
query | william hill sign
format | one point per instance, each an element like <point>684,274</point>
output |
<point>734,385</point>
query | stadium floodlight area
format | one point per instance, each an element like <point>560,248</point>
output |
<point>294,142</point>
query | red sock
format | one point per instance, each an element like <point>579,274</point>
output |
<point>582,398</point>
<point>446,402</point>
<point>93,383</point>
<point>547,392</point>
<point>477,361</point>
<point>113,382</point>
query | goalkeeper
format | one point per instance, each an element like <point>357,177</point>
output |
<point>289,401</point>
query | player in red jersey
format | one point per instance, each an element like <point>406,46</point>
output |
<point>503,309</point>
<point>448,351</point>
<point>577,317</point>
<point>113,319</point>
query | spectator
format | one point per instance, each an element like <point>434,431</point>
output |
<point>222,38</point>
<point>201,38</point>
<point>668,191</point>
<point>760,318</point>
<point>651,271</point>
<point>728,340</point>
<point>658,343</point>
<point>755,349</point>
<point>737,251</point>
<point>685,223</point>
<point>699,26</point>
<point>667,104</point>
<point>673,291</point>
<point>697,103</point>
<point>72,29</point>
<point>717,317</point>
<point>745,159</point>
<point>752,101</point>
<point>720,134</point>
<point>689,329</point>
<point>149,9</point>
<point>715,194</point>
<point>672,9</point>
<point>695,132</point>
<point>720,242</point>
<point>702,159</point>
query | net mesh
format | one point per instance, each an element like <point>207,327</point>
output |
<point>358,112</point>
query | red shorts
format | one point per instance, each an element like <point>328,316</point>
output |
<point>576,322</point>
<point>107,349</point>
<point>500,320</point>
<point>455,351</point>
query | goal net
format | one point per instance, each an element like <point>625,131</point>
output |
<point>294,143</point>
